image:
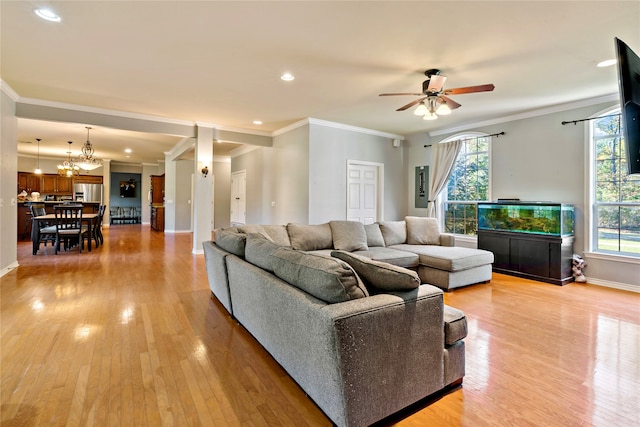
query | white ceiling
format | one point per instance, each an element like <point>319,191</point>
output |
<point>219,62</point>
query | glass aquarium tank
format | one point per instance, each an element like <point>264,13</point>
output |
<point>545,218</point>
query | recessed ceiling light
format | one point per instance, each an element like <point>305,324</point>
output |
<point>257,122</point>
<point>287,77</point>
<point>127,150</point>
<point>607,63</point>
<point>48,15</point>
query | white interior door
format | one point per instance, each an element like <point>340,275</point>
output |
<point>362,189</point>
<point>238,197</point>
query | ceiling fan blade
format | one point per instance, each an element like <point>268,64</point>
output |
<point>411,104</point>
<point>469,89</point>
<point>450,102</point>
<point>436,83</point>
<point>395,94</point>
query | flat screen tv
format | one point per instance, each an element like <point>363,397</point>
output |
<point>629,82</point>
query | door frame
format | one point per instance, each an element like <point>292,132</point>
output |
<point>379,186</point>
<point>235,174</point>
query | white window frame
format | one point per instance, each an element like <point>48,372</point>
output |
<point>591,227</point>
<point>442,198</point>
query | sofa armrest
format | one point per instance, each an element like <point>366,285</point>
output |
<point>447,239</point>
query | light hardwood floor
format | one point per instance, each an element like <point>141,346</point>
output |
<point>128,335</point>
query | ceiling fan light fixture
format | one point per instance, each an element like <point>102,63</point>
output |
<point>421,110</point>
<point>443,109</point>
<point>430,116</point>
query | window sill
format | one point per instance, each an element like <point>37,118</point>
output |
<point>612,257</point>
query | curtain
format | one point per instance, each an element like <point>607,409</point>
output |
<point>443,156</point>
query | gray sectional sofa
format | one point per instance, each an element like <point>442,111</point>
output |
<point>336,307</point>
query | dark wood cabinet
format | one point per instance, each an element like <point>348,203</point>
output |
<point>157,189</point>
<point>87,179</point>
<point>56,184</point>
<point>157,218</point>
<point>28,182</point>
<point>544,258</point>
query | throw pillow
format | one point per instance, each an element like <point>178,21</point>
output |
<point>310,237</point>
<point>327,279</point>
<point>422,230</point>
<point>259,251</point>
<point>380,275</point>
<point>374,235</point>
<point>230,241</point>
<point>348,235</point>
<point>393,232</point>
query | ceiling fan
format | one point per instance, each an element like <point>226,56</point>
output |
<point>433,100</point>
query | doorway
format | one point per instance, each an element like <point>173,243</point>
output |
<point>238,198</point>
<point>364,191</point>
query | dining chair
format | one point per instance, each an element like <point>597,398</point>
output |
<point>97,226</point>
<point>47,229</point>
<point>69,227</point>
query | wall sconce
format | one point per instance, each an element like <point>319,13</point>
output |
<point>205,171</point>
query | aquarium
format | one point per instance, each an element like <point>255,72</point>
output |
<point>545,218</point>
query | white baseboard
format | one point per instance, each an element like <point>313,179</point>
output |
<point>8,268</point>
<point>615,285</point>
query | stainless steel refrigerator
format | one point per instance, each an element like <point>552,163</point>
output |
<point>88,192</point>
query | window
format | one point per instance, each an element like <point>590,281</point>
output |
<point>615,195</point>
<point>468,184</point>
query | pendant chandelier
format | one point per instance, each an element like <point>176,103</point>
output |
<point>38,171</point>
<point>68,168</point>
<point>86,160</point>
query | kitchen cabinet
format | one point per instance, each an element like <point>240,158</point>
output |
<point>157,218</point>
<point>157,189</point>
<point>28,182</point>
<point>56,184</point>
<point>87,179</point>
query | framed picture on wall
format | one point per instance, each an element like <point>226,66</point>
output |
<point>127,189</point>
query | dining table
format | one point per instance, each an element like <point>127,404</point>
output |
<point>88,218</point>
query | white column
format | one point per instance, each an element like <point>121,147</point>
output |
<point>202,187</point>
<point>106,190</point>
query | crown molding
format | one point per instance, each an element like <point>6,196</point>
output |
<point>9,91</point>
<point>105,111</point>
<point>529,114</point>
<point>243,149</point>
<point>241,130</point>
<point>336,125</point>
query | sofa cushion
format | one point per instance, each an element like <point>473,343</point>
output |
<point>393,232</point>
<point>310,237</point>
<point>422,231</point>
<point>230,241</point>
<point>374,235</point>
<point>380,275</point>
<point>455,325</point>
<point>275,233</point>
<point>259,251</point>
<point>448,258</point>
<point>328,279</point>
<point>392,256</point>
<point>348,235</point>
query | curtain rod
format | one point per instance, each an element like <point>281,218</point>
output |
<point>575,122</point>
<point>497,135</point>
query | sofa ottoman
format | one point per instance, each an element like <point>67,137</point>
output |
<point>451,267</point>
